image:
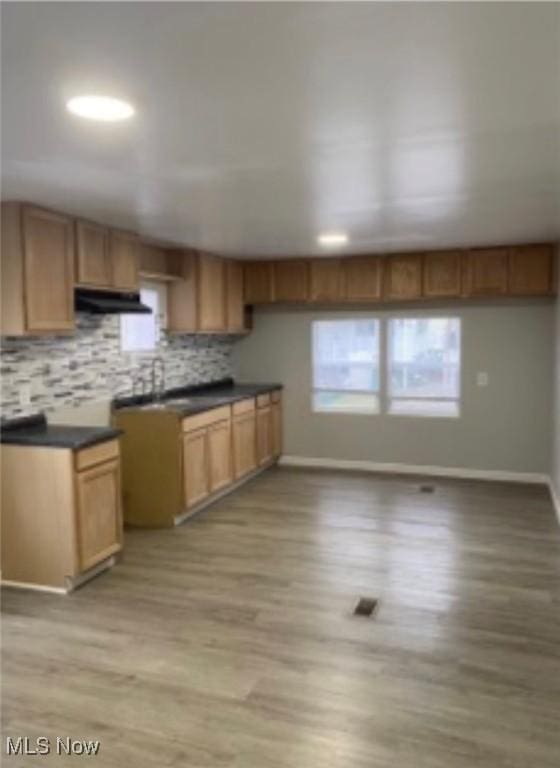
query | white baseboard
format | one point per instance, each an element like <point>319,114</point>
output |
<point>416,469</point>
<point>555,498</point>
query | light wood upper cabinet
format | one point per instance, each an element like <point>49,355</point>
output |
<point>442,274</point>
<point>219,454</point>
<point>158,263</point>
<point>403,276</point>
<point>99,513</point>
<point>531,270</point>
<point>37,271</point>
<point>244,442</point>
<point>124,256</point>
<point>486,272</point>
<point>211,288</point>
<point>195,466</point>
<point>362,276</point>
<point>326,280</point>
<point>93,267</point>
<point>258,282</point>
<point>291,278</point>
<point>182,310</point>
<point>235,308</point>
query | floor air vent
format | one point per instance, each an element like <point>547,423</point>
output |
<point>366,606</point>
<point>427,489</point>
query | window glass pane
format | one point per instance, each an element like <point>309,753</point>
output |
<point>346,355</point>
<point>345,402</point>
<point>140,332</point>
<point>424,357</point>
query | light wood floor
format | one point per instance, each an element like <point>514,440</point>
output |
<point>229,642</point>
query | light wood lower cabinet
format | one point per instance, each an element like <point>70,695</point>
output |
<point>264,434</point>
<point>219,455</point>
<point>99,513</point>
<point>244,442</point>
<point>172,465</point>
<point>276,427</point>
<point>195,466</point>
<point>61,512</point>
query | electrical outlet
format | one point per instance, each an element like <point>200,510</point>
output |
<point>25,395</point>
<point>482,379</point>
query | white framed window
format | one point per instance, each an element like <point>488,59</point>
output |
<point>139,332</point>
<point>424,366</point>
<point>346,366</point>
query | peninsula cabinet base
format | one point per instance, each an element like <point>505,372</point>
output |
<point>194,510</point>
<point>70,582</point>
<point>61,514</point>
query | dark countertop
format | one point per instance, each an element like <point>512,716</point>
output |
<point>198,398</point>
<point>34,431</point>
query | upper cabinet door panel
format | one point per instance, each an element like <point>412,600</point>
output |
<point>124,259</point>
<point>531,270</point>
<point>93,266</point>
<point>291,280</point>
<point>48,245</point>
<point>211,293</point>
<point>257,278</point>
<point>325,280</point>
<point>442,274</point>
<point>362,277</point>
<point>403,276</point>
<point>486,272</point>
<point>235,307</point>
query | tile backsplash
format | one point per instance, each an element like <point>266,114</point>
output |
<point>89,365</point>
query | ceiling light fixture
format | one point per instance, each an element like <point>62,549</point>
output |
<point>102,108</point>
<point>332,239</point>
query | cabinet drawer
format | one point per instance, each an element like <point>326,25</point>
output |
<point>263,400</point>
<point>208,417</point>
<point>97,454</point>
<point>275,396</point>
<point>244,406</point>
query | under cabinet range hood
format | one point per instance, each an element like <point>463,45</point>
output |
<point>109,302</point>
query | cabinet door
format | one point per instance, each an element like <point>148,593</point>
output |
<point>124,257</point>
<point>48,246</point>
<point>93,266</point>
<point>264,435</point>
<point>531,270</point>
<point>291,280</point>
<point>235,306</point>
<point>182,314</point>
<point>403,277</point>
<point>211,293</point>
<point>257,282</point>
<point>244,444</point>
<point>486,272</point>
<point>99,513</point>
<point>362,275</point>
<point>195,466</point>
<point>276,428</point>
<point>442,274</point>
<point>325,280</point>
<point>219,448</point>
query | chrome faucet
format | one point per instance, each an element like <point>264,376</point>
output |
<point>158,390</point>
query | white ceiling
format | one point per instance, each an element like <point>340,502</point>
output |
<point>410,126</point>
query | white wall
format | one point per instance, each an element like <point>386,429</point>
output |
<point>505,426</point>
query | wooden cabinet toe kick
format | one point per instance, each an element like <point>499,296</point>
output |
<point>70,582</point>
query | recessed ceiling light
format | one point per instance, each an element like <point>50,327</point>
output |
<point>332,239</point>
<point>102,108</point>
